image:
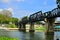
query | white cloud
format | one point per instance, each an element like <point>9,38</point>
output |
<point>1,9</point>
<point>8,1</point>
<point>10,9</point>
<point>5,1</point>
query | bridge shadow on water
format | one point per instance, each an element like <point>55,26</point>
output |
<point>49,37</point>
<point>37,36</point>
<point>33,36</point>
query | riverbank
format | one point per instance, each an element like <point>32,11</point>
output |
<point>40,29</point>
<point>9,28</point>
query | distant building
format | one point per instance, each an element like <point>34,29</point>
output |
<point>57,26</point>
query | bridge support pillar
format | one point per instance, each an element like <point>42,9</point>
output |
<point>50,27</point>
<point>20,26</point>
<point>23,28</point>
<point>31,27</point>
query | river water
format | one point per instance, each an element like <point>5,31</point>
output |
<point>28,35</point>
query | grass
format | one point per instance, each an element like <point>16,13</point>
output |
<point>40,28</point>
<point>7,38</point>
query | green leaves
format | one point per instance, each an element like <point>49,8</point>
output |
<point>5,19</point>
<point>13,20</point>
<point>58,1</point>
<point>11,26</point>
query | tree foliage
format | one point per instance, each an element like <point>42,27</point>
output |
<point>58,1</point>
<point>14,20</point>
<point>25,17</point>
<point>24,20</point>
<point>5,19</point>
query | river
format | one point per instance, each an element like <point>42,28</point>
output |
<point>28,35</point>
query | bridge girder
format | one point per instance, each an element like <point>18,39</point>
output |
<point>39,16</point>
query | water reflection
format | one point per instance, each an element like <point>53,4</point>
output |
<point>57,35</point>
<point>29,36</point>
<point>49,37</point>
<point>34,36</point>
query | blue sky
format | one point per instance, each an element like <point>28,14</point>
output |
<point>22,8</point>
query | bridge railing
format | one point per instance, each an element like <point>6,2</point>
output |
<point>56,12</point>
<point>51,14</point>
<point>38,16</point>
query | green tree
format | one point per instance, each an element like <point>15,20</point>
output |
<point>58,3</point>
<point>25,19</point>
<point>4,19</point>
<point>14,20</point>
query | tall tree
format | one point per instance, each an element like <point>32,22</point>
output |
<point>25,19</point>
<point>4,19</point>
<point>14,20</point>
<point>58,3</point>
<point>6,13</point>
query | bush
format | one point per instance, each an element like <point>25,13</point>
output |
<point>11,26</point>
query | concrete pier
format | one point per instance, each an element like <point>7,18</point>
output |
<point>50,27</point>
<point>31,27</point>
